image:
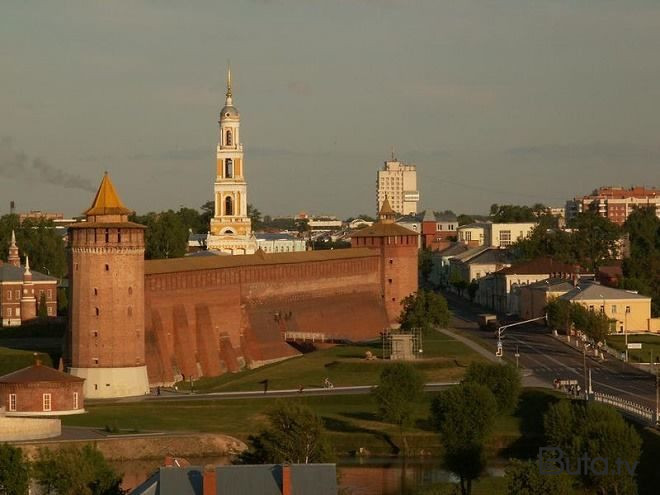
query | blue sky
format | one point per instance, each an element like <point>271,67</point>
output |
<point>510,101</point>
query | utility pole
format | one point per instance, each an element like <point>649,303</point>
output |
<point>584,363</point>
<point>625,330</point>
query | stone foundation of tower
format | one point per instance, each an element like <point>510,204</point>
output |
<point>107,383</point>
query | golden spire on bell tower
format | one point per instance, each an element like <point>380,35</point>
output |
<point>228,93</point>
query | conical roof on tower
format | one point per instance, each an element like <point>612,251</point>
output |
<point>386,213</point>
<point>107,201</point>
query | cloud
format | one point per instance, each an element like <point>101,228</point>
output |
<point>299,88</point>
<point>17,165</point>
<point>589,151</point>
<point>175,154</point>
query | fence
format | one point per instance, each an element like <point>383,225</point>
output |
<point>645,413</point>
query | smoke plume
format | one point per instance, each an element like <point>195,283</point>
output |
<point>17,165</point>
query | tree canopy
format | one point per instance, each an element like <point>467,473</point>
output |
<point>596,430</point>
<point>295,435</point>
<point>502,380</point>
<point>641,270</point>
<point>464,416</point>
<point>399,390</point>
<point>424,310</point>
<point>14,471</point>
<point>75,471</point>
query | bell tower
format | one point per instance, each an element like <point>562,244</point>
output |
<point>231,229</point>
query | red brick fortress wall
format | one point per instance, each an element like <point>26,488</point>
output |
<point>207,316</point>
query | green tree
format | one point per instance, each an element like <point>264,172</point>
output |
<point>208,212</point>
<point>559,315</point>
<point>42,310</point>
<point>14,471</point>
<point>514,213</point>
<point>464,219</point>
<point>255,216</point>
<point>596,239</point>
<point>166,235</point>
<point>596,430</point>
<point>62,302</point>
<point>75,471</point>
<point>502,380</point>
<point>472,289</point>
<point>524,478</point>
<point>295,435</point>
<point>464,416</point>
<point>425,266</point>
<point>457,281</point>
<point>192,219</point>
<point>39,240</point>
<point>424,310</point>
<point>641,269</point>
<point>399,390</point>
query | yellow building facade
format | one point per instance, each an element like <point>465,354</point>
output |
<point>231,229</point>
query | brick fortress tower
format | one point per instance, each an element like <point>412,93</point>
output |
<point>398,247</point>
<point>106,316</point>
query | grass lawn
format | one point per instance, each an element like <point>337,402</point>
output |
<point>445,360</point>
<point>650,347</point>
<point>351,420</point>
<point>13,359</point>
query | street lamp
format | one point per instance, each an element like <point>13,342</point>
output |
<point>625,330</point>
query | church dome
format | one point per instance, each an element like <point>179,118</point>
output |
<point>228,112</point>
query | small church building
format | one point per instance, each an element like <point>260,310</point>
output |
<point>21,290</point>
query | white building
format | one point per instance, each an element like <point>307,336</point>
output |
<point>324,224</point>
<point>397,181</point>
<point>494,234</point>
<point>280,243</point>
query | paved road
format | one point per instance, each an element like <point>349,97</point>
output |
<point>259,394</point>
<point>548,358</point>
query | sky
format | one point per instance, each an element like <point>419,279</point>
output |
<point>507,101</point>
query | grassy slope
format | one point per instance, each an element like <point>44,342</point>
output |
<point>12,359</point>
<point>351,421</point>
<point>650,345</point>
<point>446,360</point>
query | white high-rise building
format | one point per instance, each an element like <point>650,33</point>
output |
<point>397,181</point>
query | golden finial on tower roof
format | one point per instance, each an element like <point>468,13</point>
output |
<point>228,94</point>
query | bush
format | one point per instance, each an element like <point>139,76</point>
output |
<point>502,380</point>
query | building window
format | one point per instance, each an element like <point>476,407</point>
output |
<point>96,360</point>
<point>96,291</point>
<point>49,293</point>
<point>602,308</point>
<point>12,402</point>
<point>229,168</point>
<point>505,238</point>
<point>8,295</point>
<point>228,139</point>
<point>130,291</point>
<point>50,310</point>
<point>229,206</point>
<point>613,308</point>
<point>46,402</point>
<point>627,309</point>
<point>97,311</point>
<point>17,312</point>
<point>18,294</point>
<point>75,266</point>
<point>107,267</point>
<point>75,400</point>
<point>591,307</point>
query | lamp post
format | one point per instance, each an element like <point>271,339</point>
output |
<point>625,330</point>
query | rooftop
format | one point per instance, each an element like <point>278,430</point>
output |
<point>192,263</point>
<point>11,273</point>
<point>596,292</point>
<point>38,373</point>
<point>107,201</point>
<point>543,264</point>
<point>383,230</point>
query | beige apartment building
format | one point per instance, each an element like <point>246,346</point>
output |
<point>499,235</point>
<point>397,181</point>
<point>630,312</point>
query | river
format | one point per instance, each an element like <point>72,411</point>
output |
<point>357,476</point>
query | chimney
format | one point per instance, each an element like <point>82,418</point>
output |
<point>209,482</point>
<point>287,488</point>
